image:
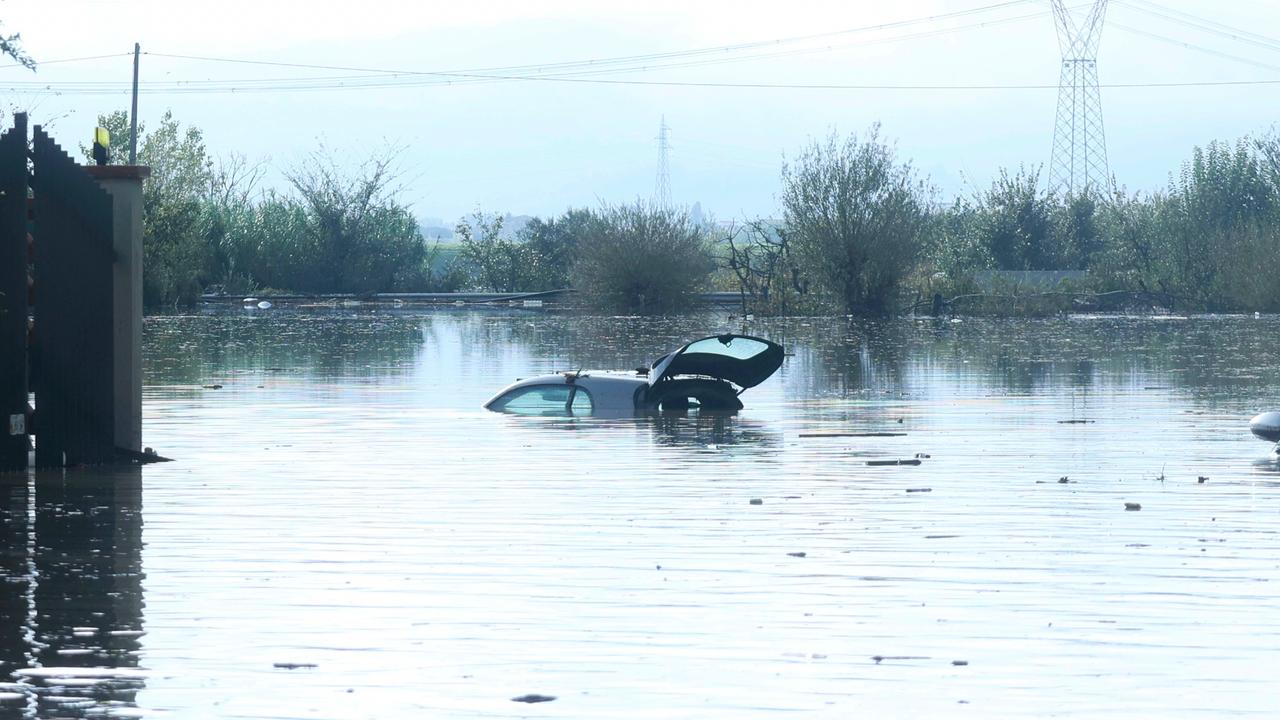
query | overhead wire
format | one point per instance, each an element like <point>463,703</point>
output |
<point>1203,24</point>
<point>1195,47</point>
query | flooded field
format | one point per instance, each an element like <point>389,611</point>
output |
<point>1091,531</point>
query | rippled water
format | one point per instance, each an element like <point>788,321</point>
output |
<point>346,534</point>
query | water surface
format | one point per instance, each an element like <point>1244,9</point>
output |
<point>347,534</point>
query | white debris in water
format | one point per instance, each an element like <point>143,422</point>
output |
<point>265,305</point>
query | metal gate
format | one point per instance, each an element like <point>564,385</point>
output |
<point>13,296</point>
<point>68,355</point>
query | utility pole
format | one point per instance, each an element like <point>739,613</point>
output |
<point>662,188</point>
<point>1079,164</point>
<point>133,116</point>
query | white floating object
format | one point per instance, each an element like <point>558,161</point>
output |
<point>265,305</point>
<point>250,300</point>
<point>532,303</point>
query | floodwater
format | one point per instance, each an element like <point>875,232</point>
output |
<point>345,533</point>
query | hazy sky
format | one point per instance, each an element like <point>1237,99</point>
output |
<point>540,146</point>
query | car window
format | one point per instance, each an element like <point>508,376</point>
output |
<point>536,400</point>
<point>582,404</point>
<point>737,347</point>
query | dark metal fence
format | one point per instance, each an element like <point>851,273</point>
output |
<point>56,338</point>
<point>72,347</point>
<point>13,296</point>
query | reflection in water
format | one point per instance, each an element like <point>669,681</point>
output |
<point>713,431</point>
<point>72,609</point>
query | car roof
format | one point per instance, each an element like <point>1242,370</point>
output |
<point>609,389</point>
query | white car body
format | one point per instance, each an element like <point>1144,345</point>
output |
<point>707,374</point>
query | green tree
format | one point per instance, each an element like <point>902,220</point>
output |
<point>642,258</point>
<point>855,217</point>
<point>552,246</point>
<point>176,256</point>
<point>1015,223</point>
<point>11,45</point>
<point>360,238</point>
<point>497,263</point>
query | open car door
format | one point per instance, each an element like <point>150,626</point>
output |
<point>742,360</point>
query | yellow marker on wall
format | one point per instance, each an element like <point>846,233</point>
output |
<point>101,145</point>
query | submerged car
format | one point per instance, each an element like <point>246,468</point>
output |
<point>1267,427</point>
<point>707,374</point>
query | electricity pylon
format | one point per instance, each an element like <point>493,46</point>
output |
<point>1079,163</point>
<point>662,188</point>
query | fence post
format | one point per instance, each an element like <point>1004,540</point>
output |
<point>124,184</point>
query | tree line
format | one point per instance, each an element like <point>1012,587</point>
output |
<point>860,232</point>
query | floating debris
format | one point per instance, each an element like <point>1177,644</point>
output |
<point>919,490</point>
<point>1132,507</point>
<point>883,463</point>
<point>1202,479</point>
<point>533,698</point>
<point>851,434</point>
<point>1076,422</point>
<point>797,554</point>
<point>211,387</point>
<point>293,666</point>
<point>757,501</point>
<point>880,658</point>
<point>959,663</point>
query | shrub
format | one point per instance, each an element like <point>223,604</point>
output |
<point>855,218</point>
<point>642,258</point>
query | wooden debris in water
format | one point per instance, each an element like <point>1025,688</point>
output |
<point>757,501</point>
<point>1076,422</point>
<point>919,490</point>
<point>293,666</point>
<point>882,463</point>
<point>851,434</point>
<point>1132,507</point>
<point>1202,479</point>
<point>879,658</point>
<point>797,554</point>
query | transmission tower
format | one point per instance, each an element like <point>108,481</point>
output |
<point>662,188</point>
<point>1079,163</point>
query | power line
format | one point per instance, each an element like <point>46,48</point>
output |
<point>414,78</point>
<point>1192,46</point>
<point>1203,24</point>
<point>726,85</point>
<point>456,77</point>
<point>68,60</point>
<point>630,59</point>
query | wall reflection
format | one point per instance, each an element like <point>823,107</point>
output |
<point>71,605</point>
